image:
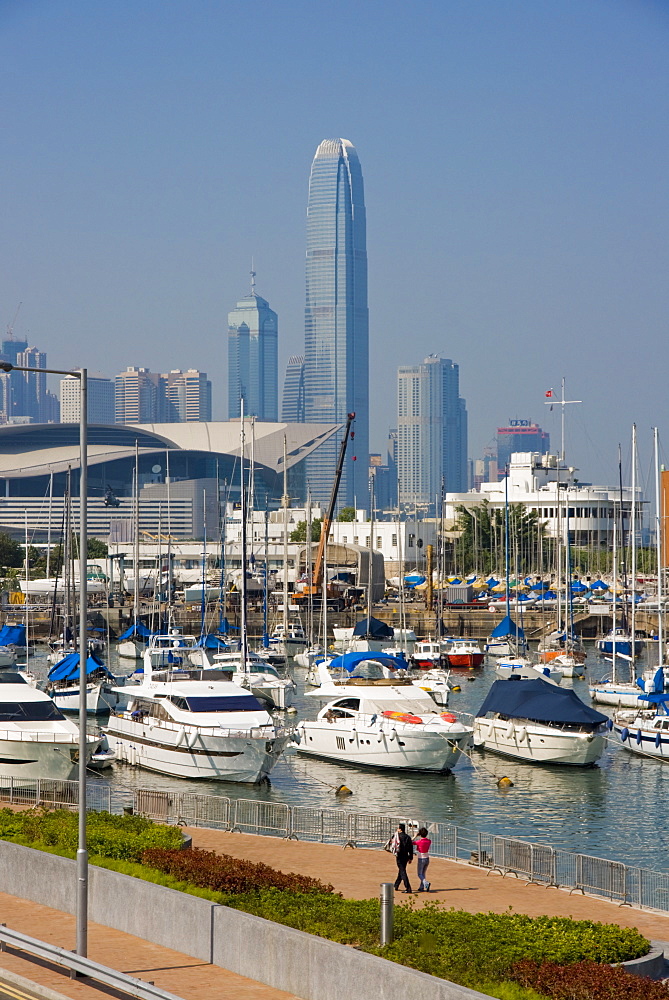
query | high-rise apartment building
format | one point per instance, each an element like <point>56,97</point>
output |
<point>253,366</point>
<point>185,395</point>
<point>100,400</point>
<point>146,397</point>
<point>432,432</point>
<point>292,404</point>
<point>336,341</point>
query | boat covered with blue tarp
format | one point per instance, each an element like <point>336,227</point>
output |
<point>349,661</point>
<point>13,635</point>
<point>539,702</point>
<point>67,669</point>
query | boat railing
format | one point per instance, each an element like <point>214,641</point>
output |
<point>21,736</point>
<point>252,732</point>
<point>385,724</point>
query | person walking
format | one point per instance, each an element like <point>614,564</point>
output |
<point>402,848</point>
<point>422,843</point>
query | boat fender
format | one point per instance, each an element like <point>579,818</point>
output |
<point>393,733</point>
<point>609,724</point>
<point>456,687</point>
<point>448,717</point>
<point>638,737</point>
<point>297,736</point>
<point>181,736</point>
<point>624,734</point>
<point>522,734</point>
<point>511,729</point>
<point>658,741</point>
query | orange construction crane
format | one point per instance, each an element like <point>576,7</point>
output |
<point>316,584</point>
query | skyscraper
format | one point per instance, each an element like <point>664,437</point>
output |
<point>100,400</point>
<point>292,404</point>
<point>336,341</point>
<point>136,396</point>
<point>185,396</point>
<point>432,431</point>
<point>519,435</point>
<point>253,372</point>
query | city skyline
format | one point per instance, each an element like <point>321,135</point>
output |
<point>516,196</point>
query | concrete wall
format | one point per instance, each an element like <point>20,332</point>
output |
<point>270,953</point>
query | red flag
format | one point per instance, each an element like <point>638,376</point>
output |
<point>549,394</point>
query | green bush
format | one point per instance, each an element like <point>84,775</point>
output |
<point>122,837</point>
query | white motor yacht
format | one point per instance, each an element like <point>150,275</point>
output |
<point>437,684</point>
<point>382,723</point>
<point>36,740</point>
<point>259,677</point>
<point>520,668</point>
<point>193,723</point>
<point>539,723</point>
<point>645,730</point>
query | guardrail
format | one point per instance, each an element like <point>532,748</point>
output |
<point>535,863</point>
<point>83,966</point>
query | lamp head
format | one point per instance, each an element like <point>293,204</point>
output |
<point>6,366</point>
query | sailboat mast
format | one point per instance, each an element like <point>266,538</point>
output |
<point>371,552</point>
<point>242,620</point>
<point>135,556</point>
<point>658,545</point>
<point>285,504</point>
<point>633,542</point>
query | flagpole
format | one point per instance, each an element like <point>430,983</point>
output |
<point>550,401</point>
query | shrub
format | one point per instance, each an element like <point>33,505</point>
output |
<point>223,873</point>
<point>586,981</point>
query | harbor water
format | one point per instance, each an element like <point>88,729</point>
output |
<point>618,809</point>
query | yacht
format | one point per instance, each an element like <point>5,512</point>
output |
<point>619,640</point>
<point>36,740</point>
<point>382,722</point>
<point>520,668</point>
<point>259,677</point>
<point>626,694</point>
<point>539,723</point>
<point>463,653</point>
<point>645,731</point>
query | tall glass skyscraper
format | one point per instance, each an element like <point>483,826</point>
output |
<point>336,348</point>
<point>292,406</point>
<point>252,359</point>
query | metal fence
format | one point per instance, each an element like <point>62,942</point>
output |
<point>535,863</point>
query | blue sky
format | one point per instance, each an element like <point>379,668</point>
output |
<point>515,163</point>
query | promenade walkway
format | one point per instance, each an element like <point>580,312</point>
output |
<point>356,873</point>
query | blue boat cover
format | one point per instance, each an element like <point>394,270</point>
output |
<point>68,668</point>
<point>13,635</point>
<point>138,630</point>
<point>577,587</point>
<point>492,582</point>
<point>538,701</point>
<point>507,627</point>
<point>548,595</point>
<point>349,661</point>
<point>599,585</point>
<point>213,641</point>
<point>374,628</point>
<point>543,585</point>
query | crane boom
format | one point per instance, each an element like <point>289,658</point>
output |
<point>317,579</point>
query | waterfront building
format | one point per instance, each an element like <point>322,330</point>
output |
<point>292,404</point>
<point>336,343</point>
<point>431,432</point>
<point>518,436</point>
<point>185,396</point>
<point>100,400</point>
<point>543,484</point>
<point>253,358</point>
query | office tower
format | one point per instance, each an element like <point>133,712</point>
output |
<point>100,400</point>
<point>13,390</point>
<point>520,435</point>
<point>336,341</point>
<point>32,392</point>
<point>432,432</point>
<point>292,404</point>
<point>136,396</point>
<point>185,396</point>
<point>253,372</point>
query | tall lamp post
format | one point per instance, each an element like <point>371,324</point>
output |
<point>82,853</point>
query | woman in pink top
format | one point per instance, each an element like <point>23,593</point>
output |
<point>422,843</point>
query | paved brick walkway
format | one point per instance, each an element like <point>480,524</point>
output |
<point>357,874</point>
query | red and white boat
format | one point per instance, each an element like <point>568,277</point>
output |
<point>463,653</point>
<point>429,654</point>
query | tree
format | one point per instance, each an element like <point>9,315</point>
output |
<point>11,553</point>
<point>299,534</point>
<point>97,549</point>
<point>346,514</point>
<point>482,539</point>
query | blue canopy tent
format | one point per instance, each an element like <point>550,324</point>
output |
<point>538,701</point>
<point>349,661</point>
<point>507,627</point>
<point>13,635</point>
<point>67,669</point>
<point>373,628</point>
<point>137,630</point>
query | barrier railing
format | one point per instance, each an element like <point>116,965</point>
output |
<point>536,863</point>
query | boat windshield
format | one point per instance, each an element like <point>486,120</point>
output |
<point>29,711</point>
<point>220,703</point>
<point>425,706</point>
<point>263,668</point>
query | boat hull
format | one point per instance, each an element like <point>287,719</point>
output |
<point>387,748</point>
<point>465,660</point>
<point>186,753</point>
<point>645,742</point>
<point>616,695</point>
<point>537,744</point>
<point>40,758</point>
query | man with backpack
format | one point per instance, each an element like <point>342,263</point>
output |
<point>402,848</point>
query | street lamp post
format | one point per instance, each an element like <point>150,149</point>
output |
<point>82,853</point>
